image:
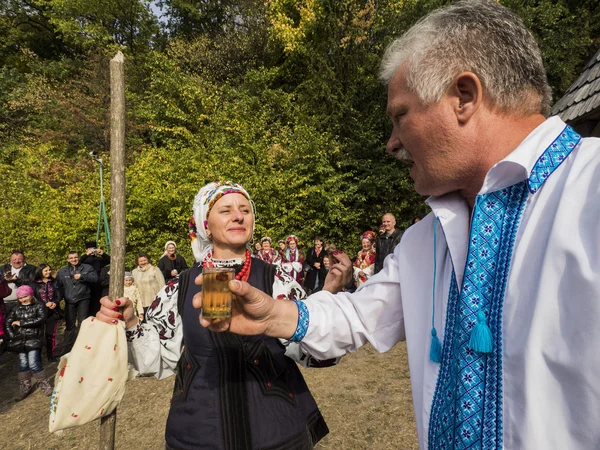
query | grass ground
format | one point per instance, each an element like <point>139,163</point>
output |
<point>366,401</point>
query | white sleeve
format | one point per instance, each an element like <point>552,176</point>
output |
<point>342,323</point>
<point>368,271</point>
<point>155,346</point>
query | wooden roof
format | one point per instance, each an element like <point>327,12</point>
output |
<point>583,96</point>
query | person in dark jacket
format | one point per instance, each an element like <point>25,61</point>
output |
<point>24,327</point>
<point>4,291</point>
<point>17,273</point>
<point>48,294</point>
<point>315,275</point>
<point>74,282</point>
<point>97,258</point>
<point>387,241</point>
<point>171,264</point>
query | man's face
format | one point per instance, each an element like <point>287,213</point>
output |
<point>17,260</point>
<point>427,138</point>
<point>388,223</point>
<point>73,259</point>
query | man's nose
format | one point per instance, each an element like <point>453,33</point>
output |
<point>393,144</point>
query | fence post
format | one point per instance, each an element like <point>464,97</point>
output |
<point>117,209</point>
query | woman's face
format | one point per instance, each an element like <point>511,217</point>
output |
<point>170,249</point>
<point>230,222</point>
<point>128,281</point>
<point>258,246</point>
<point>266,245</point>
<point>292,245</point>
<point>46,272</point>
<point>326,262</point>
<point>142,261</point>
<point>282,245</point>
<point>318,245</point>
<point>366,244</point>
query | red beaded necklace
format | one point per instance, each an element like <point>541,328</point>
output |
<point>243,274</point>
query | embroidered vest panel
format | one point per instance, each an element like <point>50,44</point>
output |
<point>467,404</point>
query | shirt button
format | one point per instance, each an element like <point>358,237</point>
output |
<point>269,384</point>
<point>188,367</point>
<point>255,362</point>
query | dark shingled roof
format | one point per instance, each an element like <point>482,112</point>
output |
<point>583,96</point>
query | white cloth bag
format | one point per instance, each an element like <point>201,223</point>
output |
<point>91,378</point>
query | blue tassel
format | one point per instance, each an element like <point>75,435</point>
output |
<point>481,336</point>
<point>435,350</point>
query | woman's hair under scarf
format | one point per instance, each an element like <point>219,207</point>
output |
<point>203,203</point>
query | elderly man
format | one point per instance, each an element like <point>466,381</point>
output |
<point>387,241</point>
<point>16,273</point>
<point>497,290</point>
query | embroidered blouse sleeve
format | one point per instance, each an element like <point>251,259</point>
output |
<point>287,288</point>
<point>155,346</point>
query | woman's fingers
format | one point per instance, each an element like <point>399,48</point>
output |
<point>110,312</point>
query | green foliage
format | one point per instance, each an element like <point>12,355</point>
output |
<point>281,96</point>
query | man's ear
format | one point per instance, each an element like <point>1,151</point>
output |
<point>467,95</point>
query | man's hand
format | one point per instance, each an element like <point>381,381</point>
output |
<point>77,276</point>
<point>9,276</point>
<point>339,274</point>
<point>120,309</point>
<point>89,251</point>
<point>317,265</point>
<point>16,323</point>
<point>253,312</point>
<point>99,251</point>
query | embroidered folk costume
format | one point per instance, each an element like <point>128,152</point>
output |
<point>269,255</point>
<point>513,304</point>
<point>231,392</point>
<point>365,260</point>
<point>293,263</point>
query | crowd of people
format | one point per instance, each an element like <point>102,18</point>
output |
<point>30,296</point>
<point>310,269</point>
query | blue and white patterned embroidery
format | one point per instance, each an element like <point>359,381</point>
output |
<point>552,157</point>
<point>467,404</point>
<point>303,321</point>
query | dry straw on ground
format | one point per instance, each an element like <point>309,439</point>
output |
<point>366,401</point>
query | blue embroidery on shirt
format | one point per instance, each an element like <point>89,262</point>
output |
<point>467,405</point>
<point>552,157</point>
<point>303,321</point>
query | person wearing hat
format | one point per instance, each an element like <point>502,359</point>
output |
<point>293,260</point>
<point>97,258</point>
<point>25,328</point>
<point>364,264</point>
<point>268,254</point>
<point>231,391</point>
<point>171,264</point>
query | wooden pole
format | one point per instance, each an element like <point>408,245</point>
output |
<point>117,209</point>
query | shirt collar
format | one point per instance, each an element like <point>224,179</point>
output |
<point>517,166</point>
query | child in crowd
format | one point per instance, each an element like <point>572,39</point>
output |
<point>132,293</point>
<point>25,328</point>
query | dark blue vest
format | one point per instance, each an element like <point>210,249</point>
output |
<point>237,392</point>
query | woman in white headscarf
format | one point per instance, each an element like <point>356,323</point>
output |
<point>231,391</point>
<point>171,264</point>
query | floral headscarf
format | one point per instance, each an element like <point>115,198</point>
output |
<point>291,237</point>
<point>369,235</point>
<point>266,238</point>
<point>203,202</point>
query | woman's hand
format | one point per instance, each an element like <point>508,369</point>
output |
<point>51,305</point>
<point>121,309</point>
<point>253,312</point>
<point>339,274</point>
<point>174,273</point>
<point>16,323</point>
